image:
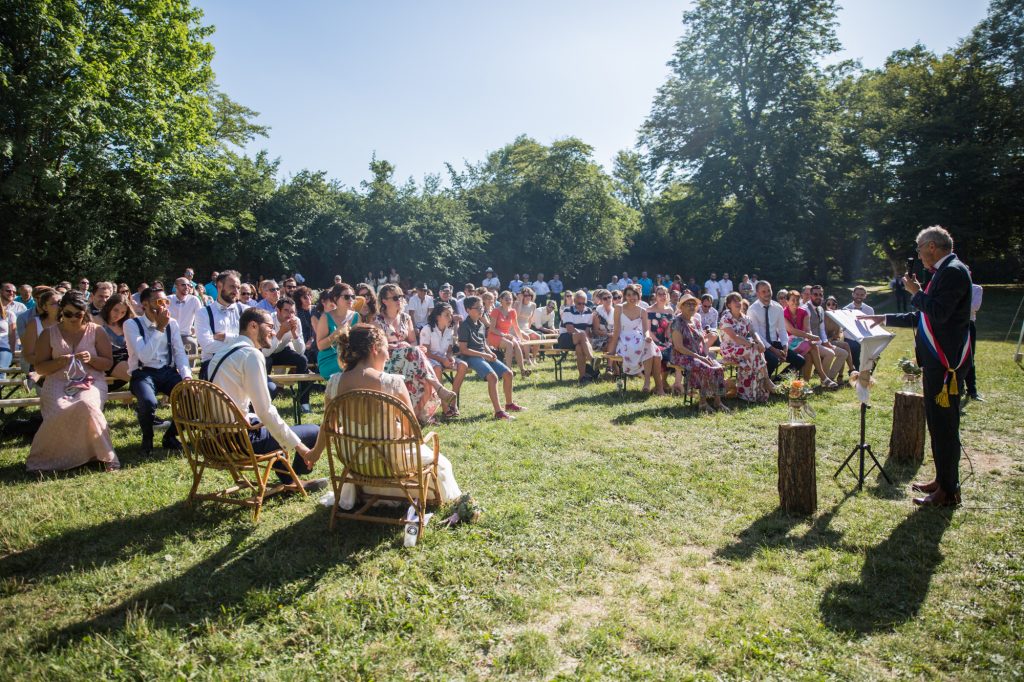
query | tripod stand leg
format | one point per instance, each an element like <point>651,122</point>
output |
<point>877,464</point>
<point>846,463</point>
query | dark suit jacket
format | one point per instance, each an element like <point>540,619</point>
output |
<point>948,306</point>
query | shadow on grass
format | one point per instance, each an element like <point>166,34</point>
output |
<point>234,580</point>
<point>894,580</point>
<point>773,531</point>
<point>604,399</point>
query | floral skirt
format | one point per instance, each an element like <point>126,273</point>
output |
<point>750,368</point>
<point>414,366</point>
<point>635,349</point>
<point>709,381</point>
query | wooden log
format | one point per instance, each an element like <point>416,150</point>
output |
<point>798,485</point>
<point>906,442</point>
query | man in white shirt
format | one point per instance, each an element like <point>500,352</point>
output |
<point>287,347</point>
<point>101,293</point>
<point>725,288</point>
<point>541,288</point>
<point>859,294</point>
<point>157,362</point>
<point>217,323</point>
<point>184,307</point>
<point>241,371</point>
<point>711,288</point>
<point>708,313</point>
<point>491,280</point>
<point>419,306</point>
<point>769,323</point>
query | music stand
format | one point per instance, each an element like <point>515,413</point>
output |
<point>861,448</point>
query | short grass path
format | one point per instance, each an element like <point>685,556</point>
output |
<point>624,538</point>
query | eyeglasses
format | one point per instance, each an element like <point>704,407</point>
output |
<point>392,298</point>
<point>84,281</point>
<point>477,307</point>
<point>606,298</point>
<point>273,289</point>
<point>74,315</point>
<point>347,297</point>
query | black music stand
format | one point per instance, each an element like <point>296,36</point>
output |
<point>861,448</point>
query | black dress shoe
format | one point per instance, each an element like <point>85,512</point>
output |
<point>939,498</point>
<point>926,488</point>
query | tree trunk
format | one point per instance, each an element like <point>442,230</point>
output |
<point>906,443</point>
<point>798,488</point>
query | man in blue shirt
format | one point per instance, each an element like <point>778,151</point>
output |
<point>646,284</point>
<point>556,286</point>
<point>211,286</point>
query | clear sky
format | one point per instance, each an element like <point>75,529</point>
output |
<point>424,83</point>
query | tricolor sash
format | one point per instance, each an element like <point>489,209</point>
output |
<point>949,383</point>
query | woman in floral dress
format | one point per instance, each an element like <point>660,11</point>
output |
<point>407,358</point>
<point>740,345</point>
<point>631,339</point>
<point>689,350</point>
<point>660,315</point>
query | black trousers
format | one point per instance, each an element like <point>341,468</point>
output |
<point>795,360</point>
<point>288,356</point>
<point>855,353</point>
<point>145,385</point>
<point>972,379</point>
<point>944,429</point>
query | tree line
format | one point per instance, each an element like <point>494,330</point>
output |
<point>120,158</point>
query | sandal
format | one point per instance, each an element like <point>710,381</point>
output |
<point>452,412</point>
<point>447,396</point>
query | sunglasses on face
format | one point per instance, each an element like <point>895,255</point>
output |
<point>73,315</point>
<point>274,289</point>
<point>245,293</point>
<point>392,298</point>
<point>347,297</point>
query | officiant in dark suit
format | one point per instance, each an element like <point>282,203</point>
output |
<point>941,320</point>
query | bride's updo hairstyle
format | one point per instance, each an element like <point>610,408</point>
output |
<point>356,345</point>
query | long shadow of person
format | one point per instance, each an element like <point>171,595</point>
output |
<point>894,580</point>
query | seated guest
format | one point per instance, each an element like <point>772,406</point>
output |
<point>365,302</point>
<point>835,332</point>
<point>632,341</point>
<point>832,357</point>
<point>364,351</point>
<point>184,307</point>
<point>217,323</point>
<point>473,349</point>
<point>437,337</point>
<point>782,298</point>
<point>444,295</point>
<point>419,306</point>
<point>136,305</point>
<point>83,285</point>
<point>25,296</point>
<point>288,287</point>
<point>337,317</point>
<point>288,347</point>
<point>802,340</point>
<point>407,358</point>
<point>673,298</point>
<point>525,307</point>
<point>114,314</point>
<point>8,336</point>
<point>859,294</point>
<point>690,350</point>
<point>271,292</point>
<point>72,355</point>
<point>746,288</point>
<point>604,320</point>
<point>211,286</point>
<point>543,320</point>
<point>488,298</point>
<point>503,332</point>
<point>659,317</point>
<point>100,294</point>
<point>247,295</point>
<point>574,333</point>
<point>157,362</point>
<point>741,346</point>
<point>241,370</point>
<point>36,321</point>
<point>707,315</point>
<point>304,311</point>
<point>769,323</point>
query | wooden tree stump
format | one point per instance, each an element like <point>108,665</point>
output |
<point>798,484</point>
<point>906,443</point>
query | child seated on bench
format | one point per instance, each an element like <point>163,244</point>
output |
<point>436,338</point>
<point>473,349</point>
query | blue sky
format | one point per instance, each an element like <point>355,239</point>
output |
<point>424,83</point>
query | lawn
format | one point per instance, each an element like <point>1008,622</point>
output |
<point>623,538</point>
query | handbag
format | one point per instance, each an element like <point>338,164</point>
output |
<point>78,379</point>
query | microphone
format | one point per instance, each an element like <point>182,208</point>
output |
<point>910,267</point>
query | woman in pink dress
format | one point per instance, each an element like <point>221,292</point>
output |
<point>73,356</point>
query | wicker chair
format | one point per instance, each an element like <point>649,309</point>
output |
<point>215,435</point>
<point>373,442</point>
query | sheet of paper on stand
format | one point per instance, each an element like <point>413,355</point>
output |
<point>872,338</point>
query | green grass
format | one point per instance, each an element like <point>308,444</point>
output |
<point>623,538</point>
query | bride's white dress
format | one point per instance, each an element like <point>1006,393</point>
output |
<point>392,385</point>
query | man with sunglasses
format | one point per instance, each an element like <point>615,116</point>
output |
<point>419,306</point>
<point>270,292</point>
<point>157,362</point>
<point>83,285</point>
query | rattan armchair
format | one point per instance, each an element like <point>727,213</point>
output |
<point>214,434</point>
<point>373,442</point>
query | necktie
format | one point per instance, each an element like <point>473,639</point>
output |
<point>767,325</point>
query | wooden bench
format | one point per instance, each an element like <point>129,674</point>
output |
<point>293,381</point>
<point>615,361</point>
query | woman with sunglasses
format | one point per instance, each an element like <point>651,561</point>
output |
<point>73,355</point>
<point>660,315</point>
<point>338,316</point>
<point>46,311</point>
<point>408,359</point>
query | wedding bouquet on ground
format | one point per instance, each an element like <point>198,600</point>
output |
<point>465,510</point>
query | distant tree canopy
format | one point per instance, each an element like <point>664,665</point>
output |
<point>120,158</point>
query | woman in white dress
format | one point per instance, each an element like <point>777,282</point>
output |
<point>363,351</point>
<point>631,339</point>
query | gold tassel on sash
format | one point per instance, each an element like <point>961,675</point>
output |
<point>949,387</point>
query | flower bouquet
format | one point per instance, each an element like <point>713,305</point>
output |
<point>798,391</point>
<point>911,376</point>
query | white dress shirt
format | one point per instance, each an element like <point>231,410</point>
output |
<point>776,321</point>
<point>492,282</point>
<point>419,309</point>
<point>243,376</point>
<point>183,311</point>
<point>724,287</point>
<point>864,308</point>
<point>437,342</point>
<point>225,319</point>
<point>976,294</point>
<point>147,346</point>
<point>712,288</point>
<point>540,287</point>
<point>295,341</point>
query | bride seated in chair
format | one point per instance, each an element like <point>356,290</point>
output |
<point>363,352</point>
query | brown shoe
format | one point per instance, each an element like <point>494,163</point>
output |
<point>926,488</point>
<point>939,498</point>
